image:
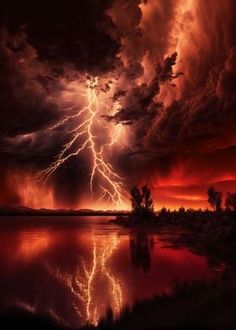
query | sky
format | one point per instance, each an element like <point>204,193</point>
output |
<point>99,95</point>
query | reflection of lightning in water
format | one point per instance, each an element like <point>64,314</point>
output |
<point>25,306</point>
<point>83,134</point>
<point>32,308</point>
<point>116,291</point>
<point>83,287</point>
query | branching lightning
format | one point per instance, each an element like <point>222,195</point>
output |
<point>83,138</point>
<point>82,283</point>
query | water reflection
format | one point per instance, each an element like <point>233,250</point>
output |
<point>93,280</point>
<point>141,245</point>
<point>74,274</point>
<point>31,247</point>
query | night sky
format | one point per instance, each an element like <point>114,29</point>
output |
<point>100,95</point>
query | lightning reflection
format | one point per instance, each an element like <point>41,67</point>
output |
<point>83,284</point>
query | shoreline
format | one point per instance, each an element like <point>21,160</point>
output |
<point>209,233</point>
<point>22,211</point>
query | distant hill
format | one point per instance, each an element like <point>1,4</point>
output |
<point>22,210</point>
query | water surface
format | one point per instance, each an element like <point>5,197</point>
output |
<point>73,272</point>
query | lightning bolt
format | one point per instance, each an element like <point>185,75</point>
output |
<point>83,287</point>
<point>83,138</point>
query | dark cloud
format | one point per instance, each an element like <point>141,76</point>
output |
<point>140,100</point>
<point>207,112</point>
<point>24,102</point>
<point>75,32</point>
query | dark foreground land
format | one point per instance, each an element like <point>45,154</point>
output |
<point>196,305</point>
<point>190,305</point>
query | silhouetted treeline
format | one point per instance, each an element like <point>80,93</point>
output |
<point>215,199</point>
<point>142,202</point>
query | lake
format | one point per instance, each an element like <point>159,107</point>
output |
<point>73,268</point>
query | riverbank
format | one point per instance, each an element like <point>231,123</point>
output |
<point>210,233</point>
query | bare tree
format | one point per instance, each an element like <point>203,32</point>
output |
<point>230,202</point>
<point>214,198</point>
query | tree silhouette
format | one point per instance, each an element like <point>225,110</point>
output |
<point>230,201</point>
<point>141,200</point>
<point>214,198</point>
<point>147,200</point>
<point>181,209</point>
<point>136,199</point>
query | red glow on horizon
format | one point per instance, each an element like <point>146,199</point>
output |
<point>172,192</point>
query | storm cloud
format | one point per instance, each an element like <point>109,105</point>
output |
<point>167,67</point>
